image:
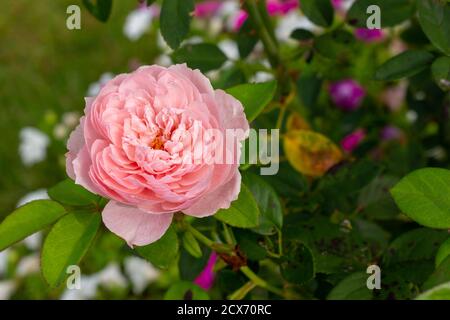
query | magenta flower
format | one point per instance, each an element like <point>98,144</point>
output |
<point>351,141</point>
<point>347,94</point>
<point>337,4</point>
<point>205,279</point>
<point>239,19</point>
<point>274,8</point>
<point>369,35</point>
<point>281,7</point>
<point>389,133</point>
<point>207,8</point>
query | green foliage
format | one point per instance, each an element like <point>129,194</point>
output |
<point>243,212</point>
<point>353,287</point>
<point>318,11</point>
<point>175,20</point>
<point>406,64</point>
<point>203,56</point>
<point>162,252</point>
<point>422,195</point>
<point>271,217</point>
<point>254,97</point>
<point>393,12</point>
<point>434,17</point>
<point>443,252</point>
<point>67,243</point>
<point>185,290</point>
<point>29,219</point>
<point>441,292</point>
<point>71,194</point>
<point>100,9</point>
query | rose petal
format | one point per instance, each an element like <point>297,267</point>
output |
<point>135,226</point>
<point>221,198</point>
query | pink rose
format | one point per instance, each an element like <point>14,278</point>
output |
<point>144,144</point>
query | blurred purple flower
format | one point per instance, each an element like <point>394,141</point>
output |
<point>205,279</point>
<point>351,141</point>
<point>389,133</point>
<point>208,8</point>
<point>347,94</point>
<point>369,35</point>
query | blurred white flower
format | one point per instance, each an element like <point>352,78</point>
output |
<point>60,131</point>
<point>94,88</point>
<point>230,49</point>
<point>33,145</point>
<point>140,272</point>
<point>163,60</point>
<point>70,119</point>
<point>261,76</point>
<point>34,241</point>
<point>7,288</point>
<point>411,116</point>
<point>109,277</point>
<point>291,21</point>
<point>137,23</point>
<point>27,265</point>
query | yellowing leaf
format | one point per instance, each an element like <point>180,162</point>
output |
<point>296,122</point>
<point>311,153</point>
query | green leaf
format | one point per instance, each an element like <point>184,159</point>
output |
<point>404,65</point>
<point>443,252</point>
<point>246,39</point>
<point>318,11</point>
<point>254,97</point>
<point>249,243</point>
<point>67,243</point>
<point>101,9</point>
<point>441,292</point>
<point>441,72</point>
<point>301,34</point>
<point>162,252</point>
<point>27,220</point>
<point>439,276</point>
<point>308,88</point>
<point>191,245</point>
<point>243,212</point>
<point>353,287</point>
<point>393,12</point>
<point>414,245</point>
<point>336,45</point>
<point>69,193</point>
<point>424,196</point>
<point>185,290</point>
<point>203,56</point>
<point>434,17</point>
<point>175,19</point>
<point>298,264</point>
<point>271,217</point>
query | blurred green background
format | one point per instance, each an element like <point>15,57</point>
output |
<point>45,71</point>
